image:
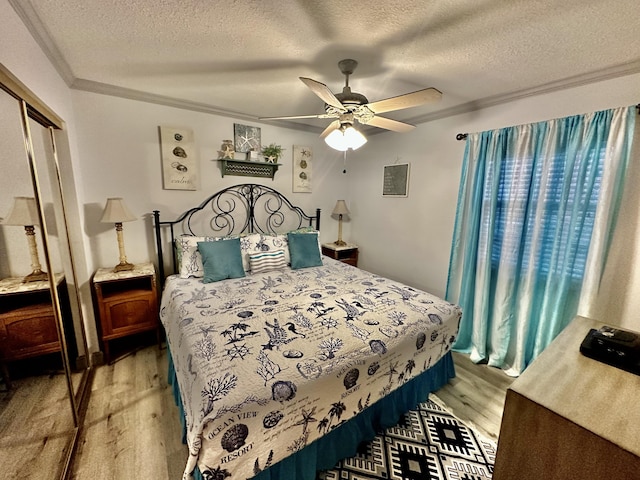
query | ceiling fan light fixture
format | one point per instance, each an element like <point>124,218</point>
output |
<point>345,137</point>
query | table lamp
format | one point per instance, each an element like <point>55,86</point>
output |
<point>25,213</point>
<point>340,209</point>
<point>115,211</point>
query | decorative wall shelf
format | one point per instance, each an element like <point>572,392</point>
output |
<point>245,168</point>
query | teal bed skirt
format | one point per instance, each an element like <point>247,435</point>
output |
<point>343,442</point>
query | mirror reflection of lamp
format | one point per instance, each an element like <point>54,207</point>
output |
<point>340,209</point>
<point>24,213</point>
<point>115,211</point>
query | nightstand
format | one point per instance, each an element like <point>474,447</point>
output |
<point>126,302</point>
<point>346,253</point>
<point>27,320</point>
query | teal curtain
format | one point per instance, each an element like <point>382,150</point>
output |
<point>536,209</point>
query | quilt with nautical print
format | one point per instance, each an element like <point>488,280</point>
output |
<point>270,362</point>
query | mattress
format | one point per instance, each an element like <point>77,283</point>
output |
<point>268,363</point>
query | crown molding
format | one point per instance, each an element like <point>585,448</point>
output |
<point>24,9</point>
<point>609,73</point>
<point>131,94</point>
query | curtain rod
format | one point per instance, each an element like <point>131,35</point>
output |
<point>463,136</point>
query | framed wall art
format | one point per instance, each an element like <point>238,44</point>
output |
<point>302,163</point>
<point>246,138</point>
<point>396,180</point>
<point>179,162</point>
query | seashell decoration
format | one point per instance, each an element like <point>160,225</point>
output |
<point>271,419</point>
<point>420,340</point>
<point>435,318</point>
<point>292,354</point>
<point>373,368</point>
<point>283,390</point>
<point>378,347</point>
<point>389,332</point>
<point>234,437</point>
<point>371,322</point>
<point>434,335</point>
<point>351,378</point>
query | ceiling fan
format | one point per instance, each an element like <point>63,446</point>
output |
<point>348,107</point>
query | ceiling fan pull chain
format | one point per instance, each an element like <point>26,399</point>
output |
<point>344,167</point>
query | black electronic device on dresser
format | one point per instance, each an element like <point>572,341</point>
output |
<point>613,346</point>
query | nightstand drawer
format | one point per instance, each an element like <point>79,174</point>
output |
<point>29,332</point>
<point>129,313</point>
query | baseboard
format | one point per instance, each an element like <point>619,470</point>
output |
<point>97,358</point>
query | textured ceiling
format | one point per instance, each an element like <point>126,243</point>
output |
<point>245,56</point>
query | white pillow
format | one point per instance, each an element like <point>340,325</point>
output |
<point>189,258</point>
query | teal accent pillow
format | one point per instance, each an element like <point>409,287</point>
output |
<point>221,260</point>
<point>304,250</point>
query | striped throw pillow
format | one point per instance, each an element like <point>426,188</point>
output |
<point>267,261</point>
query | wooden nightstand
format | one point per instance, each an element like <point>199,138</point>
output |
<point>347,253</point>
<point>126,302</point>
<point>27,321</point>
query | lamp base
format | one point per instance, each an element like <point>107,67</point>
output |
<point>340,243</point>
<point>123,267</point>
<point>36,276</point>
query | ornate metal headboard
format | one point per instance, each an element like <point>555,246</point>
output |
<point>244,208</point>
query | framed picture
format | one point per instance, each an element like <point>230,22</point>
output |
<point>396,180</point>
<point>246,138</point>
<point>179,162</point>
<point>302,163</point>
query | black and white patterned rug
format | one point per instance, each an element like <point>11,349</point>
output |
<point>428,443</point>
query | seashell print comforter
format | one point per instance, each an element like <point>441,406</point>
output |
<point>270,362</point>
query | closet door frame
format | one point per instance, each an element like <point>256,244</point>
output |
<point>33,109</point>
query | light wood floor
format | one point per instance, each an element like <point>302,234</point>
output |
<point>477,394</point>
<point>132,429</point>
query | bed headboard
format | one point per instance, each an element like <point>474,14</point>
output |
<point>244,208</point>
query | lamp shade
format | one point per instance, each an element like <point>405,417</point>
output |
<point>344,138</point>
<point>23,212</point>
<point>340,208</point>
<point>115,211</point>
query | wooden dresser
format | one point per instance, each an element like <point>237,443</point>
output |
<point>570,417</point>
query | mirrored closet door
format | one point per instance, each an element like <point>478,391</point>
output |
<point>43,350</point>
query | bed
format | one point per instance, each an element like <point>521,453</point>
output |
<point>283,361</point>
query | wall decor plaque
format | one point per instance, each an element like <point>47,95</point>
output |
<point>396,180</point>
<point>302,171</point>
<point>246,138</point>
<point>179,162</point>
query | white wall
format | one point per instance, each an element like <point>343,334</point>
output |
<point>409,239</point>
<point>120,156</point>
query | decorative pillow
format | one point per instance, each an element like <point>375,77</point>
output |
<point>257,242</point>
<point>304,250</point>
<point>189,261</point>
<point>221,259</point>
<point>267,261</point>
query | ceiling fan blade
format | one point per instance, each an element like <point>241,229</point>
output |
<point>320,115</point>
<point>332,126</point>
<point>407,100</point>
<point>388,124</point>
<point>321,90</point>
